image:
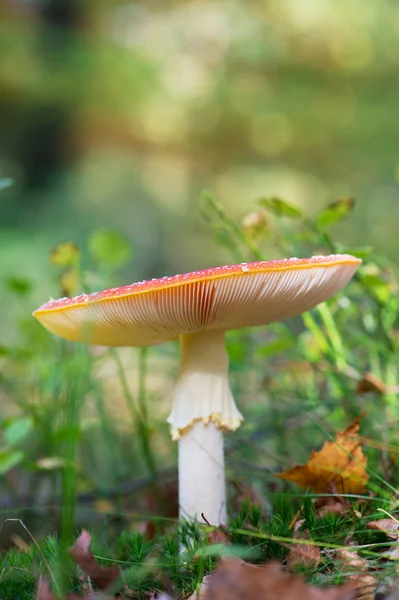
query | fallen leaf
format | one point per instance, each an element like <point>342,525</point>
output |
<point>340,462</point>
<point>237,580</point>
<point>43,590</point>
<point>296,524</point>
<point>388,526</point>
<point>218,535</point>
<point>371,383</point>
<point>148,529</point>
<point>81,553</point>
<point>365,583</point>
<point>333,504</point>
<point>307,555</point>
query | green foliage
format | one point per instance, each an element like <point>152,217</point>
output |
<point>66,254</point>
<point>334,213</point>
<point>9,458</point>
<point>19,285</point>
<point>110,249</point>
<point>14,431</point>
<point>280,208</point>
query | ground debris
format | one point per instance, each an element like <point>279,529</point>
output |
<point>357,572</point>
<point>307,555</point>
<point>333,504</point>
<point>387,526</point>
<point>44,593</point>
<point>103,577</point>
<point>235,579</point>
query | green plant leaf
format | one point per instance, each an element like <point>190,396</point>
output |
<point>281,208</point>
<point>66,254</point>
<point>110,248</point>
<point>335,212</point>
<point>378,285</point>
<point>276,346</point>
<point>9,459</point>
<point>19,285</point>
<point>16,430</point>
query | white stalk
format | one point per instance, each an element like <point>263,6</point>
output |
<point>202,487</point>
<point>203,407</point>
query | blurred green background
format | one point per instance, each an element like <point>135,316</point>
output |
<point>118,114</point>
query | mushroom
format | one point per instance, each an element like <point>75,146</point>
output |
<point>198,308</point>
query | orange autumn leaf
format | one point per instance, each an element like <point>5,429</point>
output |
<point>340,462</point>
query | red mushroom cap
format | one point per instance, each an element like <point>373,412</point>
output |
<point>224,298</point>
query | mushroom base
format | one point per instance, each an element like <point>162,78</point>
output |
<point>202,488</point>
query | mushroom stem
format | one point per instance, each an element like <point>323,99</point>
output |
<point>202,487</point>
<point>203,407</point>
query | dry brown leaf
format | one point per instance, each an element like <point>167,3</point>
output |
<point>297,524</point>
<point>220,535</point>
<point>147,529</point>
<point>333,507</point>
<point>371,383</point>
<point>331,504</point>
<point>365,583</point>
<point>237,580</point>
<point>44,592</point>
<point>388,526</point>
<point>341,463</point>
<point>307,555</point>
<point>101,576</point>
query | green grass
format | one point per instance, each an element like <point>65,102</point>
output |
<point>160,563</point>
<point>69,459</point>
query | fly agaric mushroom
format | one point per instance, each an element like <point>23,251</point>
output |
<point>198,308</point>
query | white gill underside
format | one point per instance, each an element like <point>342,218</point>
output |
<point>231,302</point>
